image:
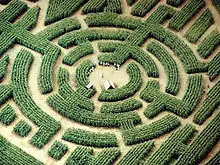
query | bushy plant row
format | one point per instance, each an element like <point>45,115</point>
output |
<point>127,105</point>
<point>209,44</point>
<point>6,92</point>
<point>85,92</point>
<point>78,52</point>
<point>147,132</point>
<point>143,6</point>
<point>59,28</point>
<point>175,3</point>
<point>200,26</point>
<point>88,138</point>
<point>7,40</point>
<point>3,66</point>
<point>125,51</point>
<point>161,14</point>
<point>208,106</point>
<point>108,46</point>
<point>137,153</point>
<point>82,73</point>
<point>81,36</point>
<point>58,150</point>
<point>216,4</point>
<point>202,144</point>
<point>189,60</point>
<point>131,2</point>
<point>46,70</point>
<point>111,19</point>
<point>61,106</point>
<point>22,128</point>
<point>29,20</point>
<point>7,115</point>
<point>84,155</point>
<point>13,10</point>
<point>185,14</point>
<point>48,125</point>
<point>95,6</point>
<point>74,98</point>
<point>161,101</point>
<point>170,66</point>
<point>174,145</point>
<point>11,154</point>
<point>127,90</point>
<point>214,67</point>
<point>59,9</point>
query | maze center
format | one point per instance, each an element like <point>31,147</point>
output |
<point>109,82</point>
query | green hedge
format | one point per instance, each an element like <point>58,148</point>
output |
<point>147,132</point>
<point>174,145</point>
<point>199,27</point>
<point>209,44</point>
<point>4,2</point>
<point>7,115</point>
<point>22,128</point>
<point>142,7</point>
<point>11,154</point>
<point>7,40</point>
<point>126,91</point>
<point>170,66</point>
<point>214,67</point>
<point>88,138</point>
<point>208,106</point>
<point>202,145</point>
<point>58,150</point>
<point>63,107</point>
<point>58,10</point>
<point>5,94</point>
<point>59,28</point>
<point>215,159</point>
<point>19,78</point>
<point>127,105</point>
<point>137,153</point>
<point>175,3</point>
<point>161,101</point>
<point>3,66</point>
<point>185,14</point>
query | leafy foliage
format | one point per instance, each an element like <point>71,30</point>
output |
<point>22,128</point>
<point>58,150</point>
<point>7,115</point>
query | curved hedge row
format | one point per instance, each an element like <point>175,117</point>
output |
<point>185,14</point>
<point>200,26</point>
<point>142,7</point>
<point>11,154</point>
<point>214,67</point>
<point>126,91</point>
<point>59,28</point>
<point>63,107</point>
<point>130,104</point>
<point>174,145</point>
<point>81,36</point>
<point>3,66</point>
<point>19,78</point>
<point>209,44</point>
<point>137,153</point>
<point>147,132</point>
<point>22,128</point>
<point>72,97</point>
<point>78,52</point>
<point>211,102</point>
<point>88,138</point>
<point>81,75</point>
<point>170,66</point>
<point>7,115</point>
<point>161,101</point>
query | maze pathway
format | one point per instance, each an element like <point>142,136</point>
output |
<point>106,82</point>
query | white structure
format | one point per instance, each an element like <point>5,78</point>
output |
<point>108,84</point>
<point>90,85</point>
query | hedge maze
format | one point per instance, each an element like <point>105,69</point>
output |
<point>60,100</point>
